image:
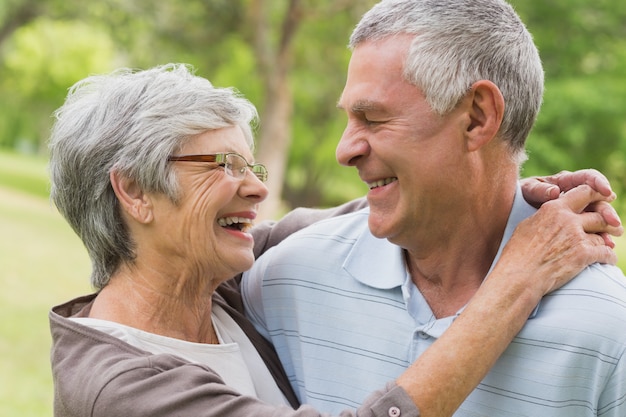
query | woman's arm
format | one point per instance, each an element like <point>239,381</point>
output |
<point>271,233</point>
<point>545,252</point>
<point>531,265</point>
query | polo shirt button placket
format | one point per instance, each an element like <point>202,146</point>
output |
<point>394,412</point>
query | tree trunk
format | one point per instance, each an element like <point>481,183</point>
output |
<point>20,16</point>
<point>274,136</point>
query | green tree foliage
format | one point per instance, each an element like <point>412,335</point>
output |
<point>581,125</point>
<point>582,43</point>
<point>40,63</point>
<point>314,176</point>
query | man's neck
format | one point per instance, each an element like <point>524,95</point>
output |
<point>454,265</point>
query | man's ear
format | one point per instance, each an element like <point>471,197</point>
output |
<point>486,111</point>
<point>132,198</point>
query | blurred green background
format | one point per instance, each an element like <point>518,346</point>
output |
<point>274,51</point>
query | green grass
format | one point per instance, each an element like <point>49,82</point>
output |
<point>24,173</point>
<point>42,263</point>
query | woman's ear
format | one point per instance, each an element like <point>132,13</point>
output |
<point>133,200</point>
<point>486,111</point>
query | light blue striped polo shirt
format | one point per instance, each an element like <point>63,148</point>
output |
<point>345,318</point>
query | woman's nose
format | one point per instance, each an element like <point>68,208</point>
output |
<point>252,187</point>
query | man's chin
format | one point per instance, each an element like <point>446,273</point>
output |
<point>377,225</point>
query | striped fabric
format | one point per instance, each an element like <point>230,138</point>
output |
<point>345,318</point>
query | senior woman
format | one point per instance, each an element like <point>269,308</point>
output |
<point>154,171</point>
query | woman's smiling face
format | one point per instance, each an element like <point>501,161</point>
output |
<point>208,228</point>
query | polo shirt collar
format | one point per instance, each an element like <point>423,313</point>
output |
<point>375,262</point>
<point>380,264</point>
<point>520,211</point>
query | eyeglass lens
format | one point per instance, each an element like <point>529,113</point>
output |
<point>236,165</point>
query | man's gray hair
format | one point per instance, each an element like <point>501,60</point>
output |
<point>129,121</point>
<point>459,42</point>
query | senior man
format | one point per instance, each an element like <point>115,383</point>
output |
<point>440,98</point>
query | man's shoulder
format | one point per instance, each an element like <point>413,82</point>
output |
<point>337,249</point>
<point>596,295</point>
<point>600,278</point>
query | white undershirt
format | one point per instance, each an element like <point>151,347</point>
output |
<point>235,359</point>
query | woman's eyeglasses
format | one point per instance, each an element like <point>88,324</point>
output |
<point>234,164</point>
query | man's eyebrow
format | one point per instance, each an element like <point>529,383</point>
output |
<point>360,106</point>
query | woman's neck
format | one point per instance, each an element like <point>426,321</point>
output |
<point>174,306</point>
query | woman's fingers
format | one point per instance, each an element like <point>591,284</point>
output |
<point>596,214</point>
<point>538,190</point>
<point>562,238</point>
<point>567,180</point>
<point>607,212</point>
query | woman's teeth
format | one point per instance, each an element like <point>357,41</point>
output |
<point>240,223</point>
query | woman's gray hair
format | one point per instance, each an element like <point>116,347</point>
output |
<point>459,42</point>
<point>129,121</point>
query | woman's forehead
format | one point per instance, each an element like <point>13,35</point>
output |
<point>228,139</point>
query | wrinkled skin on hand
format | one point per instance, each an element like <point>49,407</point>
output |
<point>563,237</point>
<point>569,231</point>
<point>538,190</point>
